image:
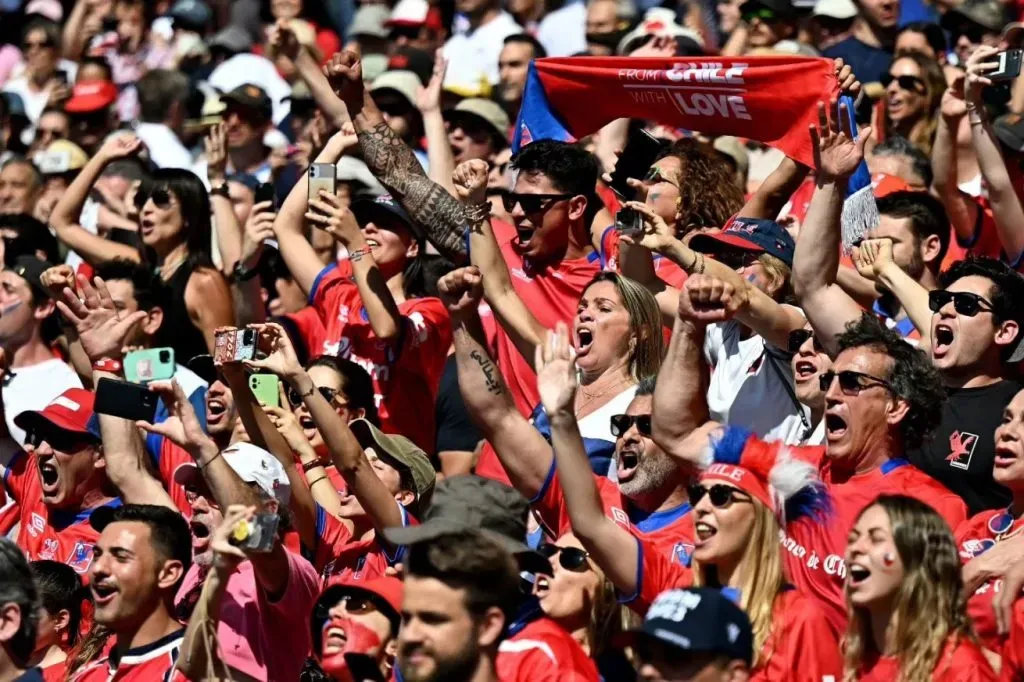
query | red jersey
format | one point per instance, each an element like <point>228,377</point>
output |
<point>669,532</point>
<point>813,550</point>
<point>405,373</point>
<point>310,327</point>
<point>984,242</point>
<point>339,553</point>
<point>143,664</point>
<point>802,647</point>
<point>45,533</point>
<point>974,537</point>
<point>58,672</point>
<point>1013,648</point>
<point>960,662</point>
<point>544,652</point>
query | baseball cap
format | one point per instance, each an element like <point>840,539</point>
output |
<point>782,8</point>
<point>386,207</point>
<point>482,110</point>
<point>253,464</point>
<point>991,15</point>
<point>233,39</point>
<point>193,14</point>
<point>250,96</point>
<point>202,366</point>
<point>834,9</point>
<point>470,502</point>
<point>351,169</point>
<point>60,156</point>
<point>70,411</point>
<point>750,234</point>
<point>401,453</point>
<point>31,269</point>
<point>406,58</point>
<point>402,82</point>
<point>91,96</point>
<point>696,619</point>
<point>385,592</point>
<point>49,9</point>
<point>1009,128</point>
<point>369,21</point>
<point>409,13</point>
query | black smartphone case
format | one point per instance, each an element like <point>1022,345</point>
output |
<point>125,400</point>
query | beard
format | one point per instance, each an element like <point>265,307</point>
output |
<point>654,471</point>
<point>458,667</point>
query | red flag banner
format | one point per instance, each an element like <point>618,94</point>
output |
<point>772,99</point>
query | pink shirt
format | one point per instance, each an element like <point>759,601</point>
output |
<point>266,641</point>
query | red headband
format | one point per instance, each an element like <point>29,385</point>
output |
<point>743,478</point>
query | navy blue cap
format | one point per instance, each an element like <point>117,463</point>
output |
<point>749,234</point>
<point>385,206</point>
<point>247,179</point>
<point>698,619</point>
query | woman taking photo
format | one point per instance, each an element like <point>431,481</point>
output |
<point>738,507</point>
<point>907,607</point>
<point>175,237</point>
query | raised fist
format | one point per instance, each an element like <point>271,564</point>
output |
<point>345,74</point>
<point>461,290</point>
<point>470,179</point>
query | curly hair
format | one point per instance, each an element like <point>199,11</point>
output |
<point>911,376</point>
<point>931,604</point>
<point>709,196</point>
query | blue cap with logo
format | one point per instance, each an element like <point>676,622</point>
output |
<point>749,234</point>
<point>698,619</point>
<point>384,208</point>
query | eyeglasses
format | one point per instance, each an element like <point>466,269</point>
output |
<point>294,399</point>
<point>851,383</point>
<point>654,176</point>
<point>622,423</point>
<point>41,44</point>
<point>763,13</point>
<point>570,558</point>
<point>722,496</point>
<point>60,440</point>
<point>50,132</point>
<point>964,302</point>
<point>531,203</point>
<point>906,82</point>
<point>798,337</point>
<point>160,196</point>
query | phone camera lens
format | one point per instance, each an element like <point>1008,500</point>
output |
<point>248,336</point>
<point>165,356</point>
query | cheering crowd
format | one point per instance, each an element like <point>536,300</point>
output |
<point>334,347</point>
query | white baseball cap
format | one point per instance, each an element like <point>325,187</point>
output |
<point>253,464</point>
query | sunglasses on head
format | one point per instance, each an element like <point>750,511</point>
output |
<point>851,383</point>
<point>654,176</point>
<point>906,82</point>
<point>294,399</point>
<point>570,558</point>
<point>762,13</point>
<point>722,496</point>
<point>798,337</point>
<point>622,423</point>
<point>531,203</point>
<point>60,440</point>
<point>160,196</point>
<point>964,302</point>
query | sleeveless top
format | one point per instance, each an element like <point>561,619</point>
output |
<point>177,330</point>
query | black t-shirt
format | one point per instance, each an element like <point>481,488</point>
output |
<point>455,428</point>
<point>961,451</point>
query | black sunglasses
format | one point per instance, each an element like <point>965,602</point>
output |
<point>964,302</point>
<point>906,82</point>
<point>60,440</point>
<point>736,259</point>
<point>42,44</point>
<point>721,495</point>
<point>531,203</point>
<point>294,399</point>
<point>851,383</point>
<point>798,337</point>
<point>570,558</point>
<point>622,423</point>
<point>160,196</point>
<point>353,604</point>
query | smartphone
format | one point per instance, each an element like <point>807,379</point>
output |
<point>265,192</point>
<point>61,76</point>
<point>125,400</point>
<point>151,364</point>
<point>1009,65</point>
<point>257,535</point>
<point>235,345</point>
<point>322,177</point>
<point>629,221</point>
<point>265,389</point>
<point>641,150</point>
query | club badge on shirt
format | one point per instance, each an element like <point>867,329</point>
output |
<point>961,449</point>
<point>81,557</point>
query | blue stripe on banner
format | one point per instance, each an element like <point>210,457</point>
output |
<point>861,177</point>
<point>536,119</point>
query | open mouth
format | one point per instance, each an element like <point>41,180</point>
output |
<point>1004,457</point>
<point>524,234</point>
<point>704,531</point>
<point>835,426</point>
<point>372,243</point>
<point>307,423</point>
<point>942,338</point>
<point>215,409</point>
<point>146,225</point>
<point>48,476</point>
<point>334,638</point>
<point>541,585</point>
<point>804,370</point>
<point>629,460</point>
<point>584,340</point>
<point>857,574</point>
<point>103,593</point>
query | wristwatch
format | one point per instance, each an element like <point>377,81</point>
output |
<point>221,189</point>
<point>240,273</point>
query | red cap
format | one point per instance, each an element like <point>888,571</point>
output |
<point>70,411</point>
<point>386,591</point>
<point>885,185</point>
<point>91,96</point>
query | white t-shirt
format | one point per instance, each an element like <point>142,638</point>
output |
<point>33,388</point>
<point>473,56</point>
<point>165,149</point>
<point>563,32</point>
<point>745,390</point>
<point>598,423</point>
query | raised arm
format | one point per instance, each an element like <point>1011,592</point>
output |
<point>874,261</point>
<point>1007,212</point>
<point>961,209</point>
<point>246,292</point>
<point>612,547</point>
<point>228,231</point>
<point>816,261</point>
<point>284,41</point>
<point>391,160</point>
<point>525,455</point>
<point>440,159</point>
<point>65,215</point>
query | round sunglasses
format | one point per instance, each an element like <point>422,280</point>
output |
<point>721,496</point>
<point>569,558</point>
<point>620,423</point>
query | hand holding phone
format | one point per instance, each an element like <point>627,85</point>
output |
<point>125,400</point>
<point>629,222</point>
<point>235,345</point>
<point>322,176</point>
<point>150,364</point>
<point>1008,66</point>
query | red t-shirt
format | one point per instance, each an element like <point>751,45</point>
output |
<point>984,242</point>
<point>339,553</point>
<point>405,373</point>
<point>1013,647</point>
<point>311,328</point>
<point>962,662</point>
<point>544,652</point>
<point>45,533</point>
<point>974,537</point>
<point>143,664</point>
<point>813,551</point>
<point>58,672</point>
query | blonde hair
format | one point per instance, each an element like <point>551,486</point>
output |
<point>762,580</point>
<point>644,320</point>
<point>931,605</point>
<point>778,275</point>
<point>606,615</point>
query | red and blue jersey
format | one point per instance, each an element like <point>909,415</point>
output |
<point>339,553</point>
<point>148,663</point>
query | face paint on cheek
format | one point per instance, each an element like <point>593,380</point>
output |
<point>752,278</point>
<point>10,308</point>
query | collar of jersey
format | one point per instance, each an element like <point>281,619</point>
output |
<point>891,465</point>
<point>648,522</point>
<point>60,519</point>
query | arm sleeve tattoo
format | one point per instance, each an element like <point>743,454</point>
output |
<point>441,215</point>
